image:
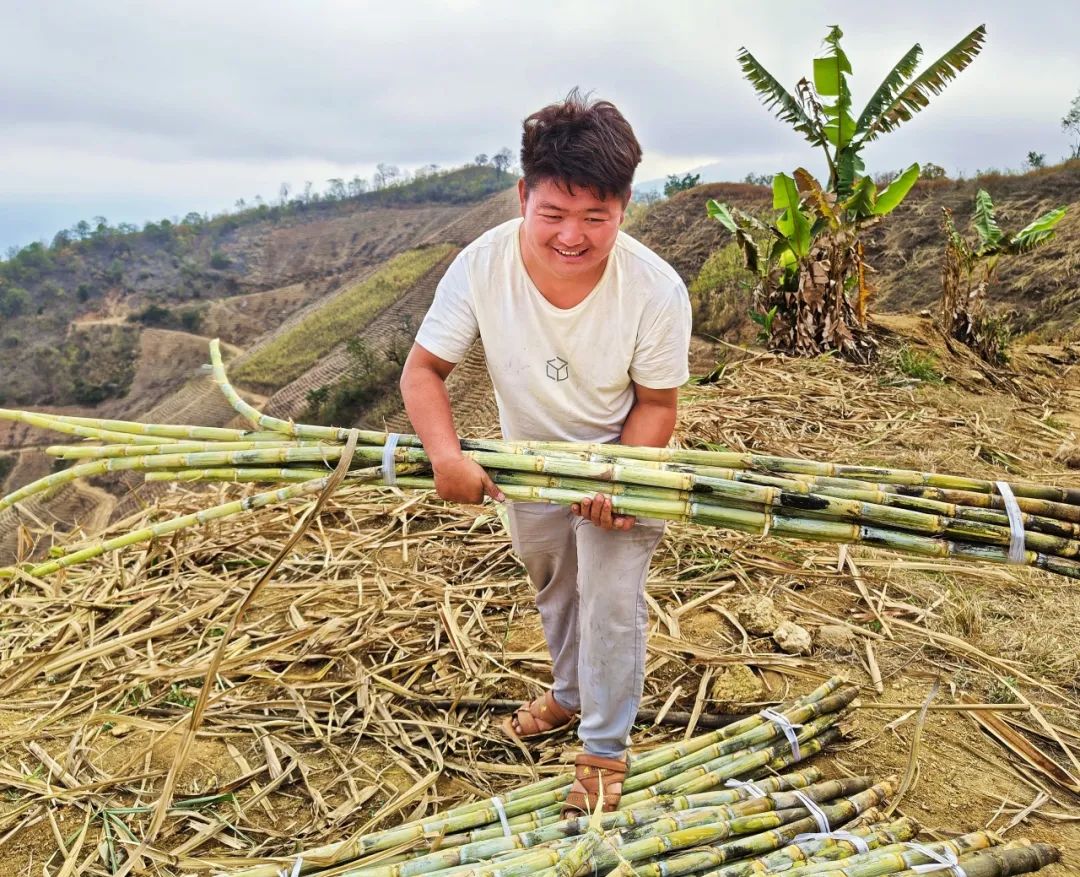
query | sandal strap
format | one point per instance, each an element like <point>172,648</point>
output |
<point>542,714</point>
<point>590,771</point>
<point>615,765</point>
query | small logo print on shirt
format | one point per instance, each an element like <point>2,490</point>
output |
<point>558,369</point>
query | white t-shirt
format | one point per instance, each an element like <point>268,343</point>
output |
<point>562,374</point>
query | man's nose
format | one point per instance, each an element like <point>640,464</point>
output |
<point>571,232</point>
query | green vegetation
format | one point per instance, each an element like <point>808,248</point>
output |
<point>832,126</point>
<point>811,258</point>
<point>101,362</point>
<point>370,381</point>
<point>720,294</point>
<point>161,317</point>
<point>1070,124</point>
<point>292,353</point>
<point>178,695</point>
<point>918,365</point>
<point>676,184</point>
<point>969,271</point>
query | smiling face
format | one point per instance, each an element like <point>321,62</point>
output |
<point>566,238</point>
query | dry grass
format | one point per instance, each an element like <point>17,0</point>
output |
<point>290,354</point>
<point>320,724</point>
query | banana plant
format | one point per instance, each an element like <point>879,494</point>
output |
<point>809,259</point>
<point>822,110</point>
<point>970,268</point>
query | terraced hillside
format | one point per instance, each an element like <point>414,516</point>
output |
<point>169,384</point>
<point>404,315</point>
<point>381,334</point>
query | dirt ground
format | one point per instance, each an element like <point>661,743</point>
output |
<point>319,725</point>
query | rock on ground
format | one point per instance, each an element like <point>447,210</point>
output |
<point>792,639</point>
<point>758,615</point>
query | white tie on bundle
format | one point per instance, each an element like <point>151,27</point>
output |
<point>819,815</point>
<point>751,789</point>
<point>1016,523</point>
<point>787,726</point>
<point>825,831</point>
<point>389,475</point>
<point>944,859</point>
<point>498,804</point>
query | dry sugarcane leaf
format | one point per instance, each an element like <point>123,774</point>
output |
<point>1021,747</point>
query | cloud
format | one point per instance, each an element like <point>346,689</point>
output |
<point>210,102</point>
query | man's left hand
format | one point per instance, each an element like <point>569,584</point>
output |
<point>598,511</point>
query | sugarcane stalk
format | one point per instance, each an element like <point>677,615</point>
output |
<point>894,857</point>
<point>527,799</point>
<point>667,812</point>
<point>667,837</point>
<point>156,531</point>
<point>772,464</point>
<point>674,508</point>
<point>827,849</point>
<point>759,734</point>
<point>768,839</point>
<point>1004,861</point>
<point>529,822</point>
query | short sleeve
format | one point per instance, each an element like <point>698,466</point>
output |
<point>662,355</point>
<point>450,326</point>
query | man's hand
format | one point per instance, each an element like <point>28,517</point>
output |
<point>598,511</point>
<point>464,480</point>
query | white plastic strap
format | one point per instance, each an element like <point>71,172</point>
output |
<point>295,868</point>
<point>389,476</point>
<point>856,841</point>
<point>819,815</point>
<point>498,804</point>
<point>787,727</point>
<point>1016,523</point>
<point>944,859</point>
<point>750,788</point>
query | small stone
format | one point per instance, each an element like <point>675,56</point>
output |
<point>835,636</point>
<point>736,685</point>
<point>758,615</point>
<point>792,639</point>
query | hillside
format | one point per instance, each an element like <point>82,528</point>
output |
<point>177,274</point>
<point>906,249</point>
<point>315,268</point>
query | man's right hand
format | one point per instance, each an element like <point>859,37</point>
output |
<point>464,480</point>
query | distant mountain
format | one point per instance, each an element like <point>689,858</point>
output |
<point>716,172</point>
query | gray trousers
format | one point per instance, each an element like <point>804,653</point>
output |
<point>590,590</point>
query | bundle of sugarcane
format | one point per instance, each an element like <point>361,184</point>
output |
<point>906,511</point>
<point>716,804</point>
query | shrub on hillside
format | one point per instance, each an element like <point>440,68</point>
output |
<point>101,362</point>
<point>368,379</point>
<point>720,294</point>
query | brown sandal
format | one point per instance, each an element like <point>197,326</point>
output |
<point>593,774</point>
<point>544,715</point>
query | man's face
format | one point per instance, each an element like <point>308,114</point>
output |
<point>568,235</point>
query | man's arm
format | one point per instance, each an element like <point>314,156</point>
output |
<point>423,388</point>
<point>651,422</point>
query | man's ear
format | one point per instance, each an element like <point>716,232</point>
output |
<point>523,194</point>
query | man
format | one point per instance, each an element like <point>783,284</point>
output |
<point>586,334</point>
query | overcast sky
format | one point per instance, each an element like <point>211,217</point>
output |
<point>138,111</point>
